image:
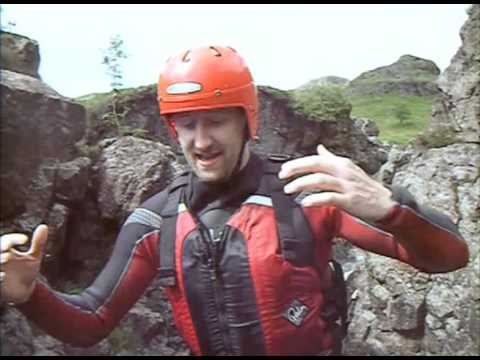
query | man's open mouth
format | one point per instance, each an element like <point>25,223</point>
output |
<point>208,159</point>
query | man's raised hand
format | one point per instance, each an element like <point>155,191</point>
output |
<point>19,270</point>
<point>337,181</point>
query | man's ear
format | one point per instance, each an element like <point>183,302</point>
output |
<point>172,129</point>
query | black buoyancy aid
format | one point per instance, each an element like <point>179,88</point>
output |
<point>294,231</point>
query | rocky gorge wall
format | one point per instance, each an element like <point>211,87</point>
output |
<point>65,167</point>
<point>394,309</point>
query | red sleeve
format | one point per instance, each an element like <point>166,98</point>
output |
<point>414,234</point>
<point>85,319</point>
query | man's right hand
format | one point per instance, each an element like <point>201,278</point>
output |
<point>19,270</point>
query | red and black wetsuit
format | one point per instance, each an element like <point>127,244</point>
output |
<point>232,297</point>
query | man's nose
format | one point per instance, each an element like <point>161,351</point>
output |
<point>203,138</point>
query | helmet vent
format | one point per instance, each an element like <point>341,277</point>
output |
<point>186,57</point>
<point>184,88</point>
<point>214,51</point>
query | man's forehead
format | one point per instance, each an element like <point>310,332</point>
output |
<point>232,111</point>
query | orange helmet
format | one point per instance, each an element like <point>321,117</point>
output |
<point>204,78</point>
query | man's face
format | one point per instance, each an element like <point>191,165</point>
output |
<point>211,141</point>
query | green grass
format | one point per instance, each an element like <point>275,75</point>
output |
<point>96,100</point>
<point>387,110</point>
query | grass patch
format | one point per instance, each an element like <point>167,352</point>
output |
<point>107,113</point>
<point>96,100</point>
<point>278,94</point>
<point>399,118</point>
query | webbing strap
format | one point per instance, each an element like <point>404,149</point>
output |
<point>335,310</point>
<point>169,214</point>
<point>175,192</point>
<point>283,208</point>
<point>294,232</point>
<point>167,252</point>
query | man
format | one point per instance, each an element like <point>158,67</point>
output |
<point>238,271</point>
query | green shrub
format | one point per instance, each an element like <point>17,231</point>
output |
<point>323,103</point>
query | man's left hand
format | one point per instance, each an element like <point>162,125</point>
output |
<point>337,181</point>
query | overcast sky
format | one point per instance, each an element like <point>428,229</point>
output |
<point>284,45</point>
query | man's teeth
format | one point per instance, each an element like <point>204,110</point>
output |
<point>207,156</point>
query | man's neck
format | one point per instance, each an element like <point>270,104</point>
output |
<point>239,187</point>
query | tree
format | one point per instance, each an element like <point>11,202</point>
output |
<point>112,58</point>
<point>402,113</point>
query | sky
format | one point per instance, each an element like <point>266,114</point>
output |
<point>285,46</point>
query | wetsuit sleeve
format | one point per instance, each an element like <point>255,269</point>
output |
<point>87,318</point>
<point>415,234</point>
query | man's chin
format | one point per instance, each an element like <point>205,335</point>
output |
<point>209,176</point>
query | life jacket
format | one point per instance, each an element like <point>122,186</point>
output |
<point>294,234</point>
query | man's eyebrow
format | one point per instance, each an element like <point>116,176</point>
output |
<point>182,117</point>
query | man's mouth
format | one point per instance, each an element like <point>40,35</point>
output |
<point>207,160</point>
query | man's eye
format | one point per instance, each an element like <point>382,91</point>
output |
<point>217,121</point>
<point>186,124</point>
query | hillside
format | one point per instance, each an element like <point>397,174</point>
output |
<point>325,81</point>
<point>397,97</point>
<point>399,118</point>
<point>408,76</point>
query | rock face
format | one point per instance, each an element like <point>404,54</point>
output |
<point>39,129</point>
<point>19,54</point>
<point>457,113</point>
<point>281,128</point>
<point>409,75</point>
<point>395,309</point>
<point>40,174</point>
<point>129,171</point>
<point>284,131</point>
<point>138,110</point>
<point>411,313</point>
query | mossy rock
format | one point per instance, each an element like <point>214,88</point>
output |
<point>439,137</point>
<point>323,103</point>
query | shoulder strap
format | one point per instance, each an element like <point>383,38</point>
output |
<point>169,214</point>
<point>335,310</point>
<point>297,244</point>
<point>295,234</point>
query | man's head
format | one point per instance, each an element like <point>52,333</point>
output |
<point>213,141</point>
<point>204,88</point>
